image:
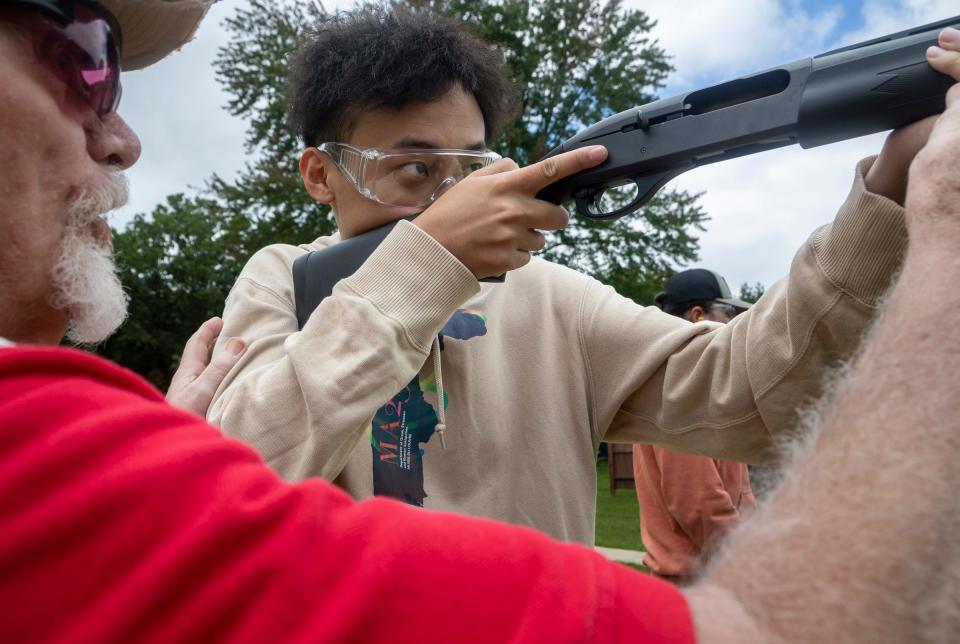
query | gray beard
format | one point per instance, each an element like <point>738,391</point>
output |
<point>85,280</point>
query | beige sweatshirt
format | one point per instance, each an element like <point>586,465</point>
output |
<point>537,370</point>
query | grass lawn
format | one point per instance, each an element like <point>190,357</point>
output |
<point>618,519</point>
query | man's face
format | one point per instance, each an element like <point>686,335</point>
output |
<point>452,122</point>
<point>60,172</point>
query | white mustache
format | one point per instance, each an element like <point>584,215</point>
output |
<point>96,202</point>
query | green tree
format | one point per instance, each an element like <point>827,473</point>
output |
<point>751,293</point>
<point>178,265</point>
<point>252,67</point>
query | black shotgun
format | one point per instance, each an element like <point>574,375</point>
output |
<point>869,87</point>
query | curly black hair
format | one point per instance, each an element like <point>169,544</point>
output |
<point>378,57</point>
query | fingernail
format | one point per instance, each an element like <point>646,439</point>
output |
<point>597,153</point>
<point>934,52</point>
<point>235,346</point>
<point>950,35</point>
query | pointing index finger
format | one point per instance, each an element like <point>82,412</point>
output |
<point>543,173</point>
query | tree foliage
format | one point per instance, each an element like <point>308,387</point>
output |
<point>178,264</point>
<point>252,68</point>
<point>751,293</point>
<point>576,62</point>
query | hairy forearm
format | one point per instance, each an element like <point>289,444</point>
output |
<point>858,542</point>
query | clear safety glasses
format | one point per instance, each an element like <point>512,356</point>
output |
<point>407,178</point>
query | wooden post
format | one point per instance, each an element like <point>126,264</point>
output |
<point>620,458</point>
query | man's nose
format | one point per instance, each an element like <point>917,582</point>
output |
<point>112,142</point>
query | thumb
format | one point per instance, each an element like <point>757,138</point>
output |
<point>194,391</point>
<point>220,365</point>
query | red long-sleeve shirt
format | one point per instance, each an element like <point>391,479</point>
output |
<point>123,519</point>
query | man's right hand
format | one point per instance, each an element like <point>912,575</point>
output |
<point>491,220</point>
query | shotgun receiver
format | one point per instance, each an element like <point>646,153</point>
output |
<point>869,87</point>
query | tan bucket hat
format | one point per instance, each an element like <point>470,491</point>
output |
<point>152,29</point>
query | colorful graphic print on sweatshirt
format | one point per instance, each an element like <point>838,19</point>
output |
<point>408,420</point>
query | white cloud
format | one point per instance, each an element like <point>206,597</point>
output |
<point>718,39</point>
<point>882,16</point>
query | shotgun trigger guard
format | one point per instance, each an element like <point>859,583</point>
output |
<point>588,197</point>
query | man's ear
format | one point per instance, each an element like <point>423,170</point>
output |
<point>695,314</point>
<point>315,169</point>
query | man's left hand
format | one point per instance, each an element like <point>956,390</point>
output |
<point>197,378</point>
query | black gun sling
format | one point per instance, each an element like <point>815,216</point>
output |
<point>316,273</point>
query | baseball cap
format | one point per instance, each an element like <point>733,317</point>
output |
<point>697,285</point>
<point>149,29</point>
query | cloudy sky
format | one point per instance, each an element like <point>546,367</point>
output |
<point>762,207</point>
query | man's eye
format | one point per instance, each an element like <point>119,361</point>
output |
<point>471,168</point>
<point>415,169</point>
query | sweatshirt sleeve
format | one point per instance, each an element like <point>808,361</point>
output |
<point>304,398</point>
<point>125,520</point>
<point>727,391</point>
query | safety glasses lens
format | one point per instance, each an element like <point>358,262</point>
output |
<point>417,179</point>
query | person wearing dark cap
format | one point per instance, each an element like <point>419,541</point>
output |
<point>699,294</point>
<point>688,502</point>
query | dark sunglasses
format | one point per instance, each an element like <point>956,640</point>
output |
<point>83,53</point>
